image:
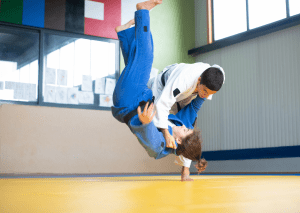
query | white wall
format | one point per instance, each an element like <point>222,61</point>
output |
<point>258,106</point>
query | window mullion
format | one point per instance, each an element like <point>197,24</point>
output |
<point>212,21</point>
<point>41,69</point>
<point>287,8</point>
<point>247,14</point>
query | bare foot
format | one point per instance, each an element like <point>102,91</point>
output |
<point>148,5</point>
<point>125,26</point>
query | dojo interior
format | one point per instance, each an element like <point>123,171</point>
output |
<point>61,150</point>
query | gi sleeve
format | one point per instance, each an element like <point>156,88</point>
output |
<point>189,114</point>
<point>150,138</point>
<point>182,161</point>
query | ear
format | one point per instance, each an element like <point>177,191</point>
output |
<point>199,79</point>
<point>178,140</point>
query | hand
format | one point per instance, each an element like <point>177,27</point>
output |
<point>186,178</point>
<point>147,116</point>
<point>170,141</point>
<point>185,174</point>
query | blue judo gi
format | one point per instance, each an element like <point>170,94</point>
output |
<point>131,89</point>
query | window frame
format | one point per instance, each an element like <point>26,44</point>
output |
<point>42,32</point>
<point>282,24</point>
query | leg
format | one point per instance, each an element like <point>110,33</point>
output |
<point>127,39</point>
<point>132,84</point>
<point>124,26</point>
<point>126,35</point>
<point>148,5</point>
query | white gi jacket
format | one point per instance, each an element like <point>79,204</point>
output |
<point>180,82</point>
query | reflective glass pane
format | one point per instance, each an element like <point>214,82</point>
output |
<point>19,52</point>
<point>78,71</point>
<point>294,7</point>
<point>262,12</point>
<point>229,18</point>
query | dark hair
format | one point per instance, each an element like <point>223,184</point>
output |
<point>212,78</point>
<point>191,148</point>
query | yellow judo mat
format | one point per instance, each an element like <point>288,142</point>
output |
<point>207,193</point>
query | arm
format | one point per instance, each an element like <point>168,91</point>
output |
<point>149,137</point>
<point>147,133</point>
<point>147,116</point>
<point>189,113</point>
<point>185,174</point>
<point>200,166</point>
<point>170,141</point>
<point>185,163</point>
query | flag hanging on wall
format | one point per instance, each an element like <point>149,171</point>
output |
<point>55,14</point>
<point>101,17</point>
<point>11,11</point>
<point>90,17</point>
<point>33,13</point>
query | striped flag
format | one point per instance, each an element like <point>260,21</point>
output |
<point>33,13</point>
<point>11,11</point>
<point>101,17</point>
<point>75,16</point>
<point>55,14</point>
<point>91,17</point>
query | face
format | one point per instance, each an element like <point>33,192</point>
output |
<point>203,91</point>
<point>180,132</point>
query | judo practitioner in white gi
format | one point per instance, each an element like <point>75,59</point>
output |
<point>174,88</point>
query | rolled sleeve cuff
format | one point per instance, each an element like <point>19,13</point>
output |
<point>182,161</point>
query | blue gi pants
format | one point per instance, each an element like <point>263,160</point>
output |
<point>137,48</point>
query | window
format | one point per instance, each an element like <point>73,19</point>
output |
<point>76,71</point>
<point>231,17</point>
<point>294,6</point>
<point>19,62</point>
<point>262,12</point>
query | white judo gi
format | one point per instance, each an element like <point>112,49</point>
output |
<point>176,83</point>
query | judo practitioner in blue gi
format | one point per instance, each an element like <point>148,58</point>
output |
<point>132,97</point>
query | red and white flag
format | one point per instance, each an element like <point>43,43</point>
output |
<point>101,17</point>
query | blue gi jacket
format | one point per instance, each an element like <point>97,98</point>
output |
<point>153,140</point>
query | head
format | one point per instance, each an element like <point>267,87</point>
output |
<point>180,133</point>
<point>210,82</point>
<point>190,145</point>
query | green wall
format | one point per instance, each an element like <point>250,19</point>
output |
<point>173,28</point>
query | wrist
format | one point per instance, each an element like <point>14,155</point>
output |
<point>164,131</point>
<point>185,170</point>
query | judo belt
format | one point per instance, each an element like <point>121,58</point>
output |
<point>131,114</point>
<point>163,81</point>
